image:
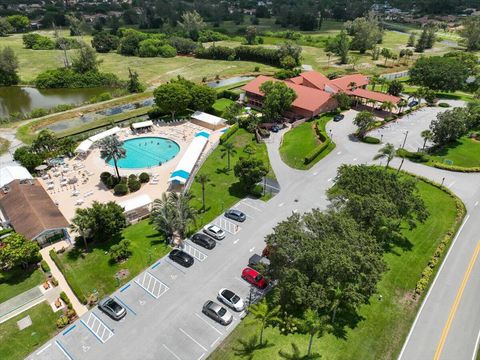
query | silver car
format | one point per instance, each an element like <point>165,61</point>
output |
<point>112,308</point>
<point>214,231</point>
<point>217,312</point>
<point>231,299</point>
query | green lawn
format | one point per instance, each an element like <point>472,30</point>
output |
<point>464,152</point>
<point>224,190</point>
<point>300,141</point>
<point>385,323</point>
<point>17,281</point>
<point>17,344</point>
<point>221,104</point>
<point>4,145</point>
<point>94,270</point>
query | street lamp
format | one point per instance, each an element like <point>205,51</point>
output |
<point>405,140</point>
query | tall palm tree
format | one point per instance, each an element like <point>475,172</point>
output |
<point>387,152</point>
<point>388,106</point>
<point>296,355</point>
<point>163,216</point>
<point>401,104</point>
<point>266,315</point>
<point>202,179</point>
<point>426,135</point>
<point>228,149</point>
<point>337,293</point>
<point>112,148</point>
<point>314,324</point>
<point>185,214</point>
<point>82,223</point>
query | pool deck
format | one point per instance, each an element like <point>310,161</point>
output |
<point>89,188</point>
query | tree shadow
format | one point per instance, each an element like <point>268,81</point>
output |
<point>348,318</point>
<point>443,151</point>
<point>224,171</point>
<point>247,347</point>
<point>16,275</point>
<point>237,189</point>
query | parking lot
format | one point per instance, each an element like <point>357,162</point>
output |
<point>164,304</point>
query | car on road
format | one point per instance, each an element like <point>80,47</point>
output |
<point>236,215</point>
<point>413,103</point>
<point>275,129</point>
<point>232,300</point>
<point>112,308</point>
<point>214,231</point>
<point>203,240</point>
<point>181,257</point>
<point>217,312</point>
<point>254,277</point>
<point>338,117</point>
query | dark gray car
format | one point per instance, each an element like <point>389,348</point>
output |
<point>203,240</point>
<point>217,312</point>
<point>112,308</point>
<point>181,257</point>
<point>236,215</point>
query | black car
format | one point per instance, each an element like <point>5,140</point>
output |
<point>203,240</point>
<point>413,103</point>
<point>181,257</point>
<point>338,117</point>
<point>236,215</point>
<point>275,129</point>
<point>112,308</point>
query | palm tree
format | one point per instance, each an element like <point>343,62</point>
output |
<point>374,80</point>
<point>266,315</point>
<point>163,216</point>
<point>401,104</point>
<point>295,354</point>
<point>247,347</point>
<point>228,149</point>
<point>336,300</point>
<point>387,152</point>
<point>314,324</point>
<point>202,179</point>
<point>388,105</point>
<point>427,135</point>
<point>112,148</point>
<point>185,214</point>
<point>81,223</point>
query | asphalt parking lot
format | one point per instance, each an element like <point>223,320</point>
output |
<point>164,303</point>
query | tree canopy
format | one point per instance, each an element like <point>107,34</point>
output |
<point>471,33</point>
<point>250,171</point>
<point>8,67</point>
<point>172,98</point>
<point>366,32</point>
<point>449,126</point>
<point>16,250</point>
<point>278,98</point>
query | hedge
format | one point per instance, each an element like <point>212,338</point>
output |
<point>71,282</point>
<point>44,266</point>
<point>315,152</point>
<point>6,231</point>
<point>456,168</point>
<point>370,140</point>
<point>228,94</point>
<point>418,156</point>
<point>232,130</point>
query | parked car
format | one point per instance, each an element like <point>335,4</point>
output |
<point>112,308</point>
<point>214,231</point>
<point>181,257</point>
<point>256,259</point>
<point>231,299</point>
<point>254,277</point>
<point>217,312</point>
<point>338,117</point>
<point>236,215</point>
<point>275,129</point>
<point>203,240</point>
<point>413,103</point>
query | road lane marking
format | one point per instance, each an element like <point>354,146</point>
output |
<point>453,183</point>
<point>191,338</point>
<point>253,207</point>
<point>329,179</point>
<point>476,203</point>
<point>431,287</point>
<point>206,322</point>
<point>63,350</point>
<point>251,249</point>
<point>171,352</point>
<point>454,307</point>
<point>475,349</point>
<point>236,241</point>
<point>281,204</point>
<point>201,356</point>
<point>338,153</point>
<point>45,348</point>
<point>213,344</point>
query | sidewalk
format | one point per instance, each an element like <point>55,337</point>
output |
<point>62,283</point>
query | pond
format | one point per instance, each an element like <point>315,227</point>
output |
<point>24,99</point>
<point>229,81</point>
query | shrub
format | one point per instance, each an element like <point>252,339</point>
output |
<point>54,281</point>
<point>120,251</point>
<point>444,105</point>
<point>68,78</point>
<point>65,298</point>
<point>134,185</point>
<point>456,168</point>
<point>167,51</point>
<point>36,113</point>
<point>105,177</point>
<point>227,134</point>
<point>315,152</point>
<point>71,282</point>
<point>120,189</point>
<point>256,69</point>
<point>44,266</point>
<point>132,177</point>
<point>62,321</point>
<point>413,156</point>
<point>62,107</point>
<point>155,113</point>
<point>370,140</point>
<point>228,94</point>
<point>144,178</point>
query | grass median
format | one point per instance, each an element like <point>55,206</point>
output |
<point>17,281</point>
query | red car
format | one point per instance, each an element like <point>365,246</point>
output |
<point>254,278</point>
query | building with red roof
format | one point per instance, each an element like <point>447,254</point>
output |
<point>315,93</point>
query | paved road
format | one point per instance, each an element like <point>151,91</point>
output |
<point>165,319</point>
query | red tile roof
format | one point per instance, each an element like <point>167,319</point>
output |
<point>307,98</point>
<point>374,95</point>
<point>344,82</point>
<point>316,79</point>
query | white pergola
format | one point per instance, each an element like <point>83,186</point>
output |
<point>142,124</point>
<point>85,145</point>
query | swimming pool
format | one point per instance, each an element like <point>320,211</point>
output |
<point>145,152</point>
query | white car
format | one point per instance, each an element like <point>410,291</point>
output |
<point>214,231</point>
<point>231,299</point>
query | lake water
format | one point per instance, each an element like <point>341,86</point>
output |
<point>229,81</point>
<point>24,99</point>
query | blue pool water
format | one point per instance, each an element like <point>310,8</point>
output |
<point>145,152</point>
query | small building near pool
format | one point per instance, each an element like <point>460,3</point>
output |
<point>208,121</point>
<point>27,207</point>
<point>137,208</point>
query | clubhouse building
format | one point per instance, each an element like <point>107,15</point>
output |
<point>315,93</point>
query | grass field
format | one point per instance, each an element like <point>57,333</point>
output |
<point>386,322</point>
<point>224,190</point>
<point>16,281</point>
<point>464,152</point>
<point>4,145</point>
<point>95,271</point>
<point>300,141</point>
<point>17,344</point>
<point>221,104</point>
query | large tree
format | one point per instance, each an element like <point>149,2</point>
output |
<point>203,97</point>
<point>192,23</point>
<point>172,98</point>
<point>105,42</point>
<point>366,32</point>
<point>471,33</point>
<point>16,250</point>
<point>265,314</point>
<point>250,171</point>
<point>5,27</point>
<point>83,223</point>
<point>340,46</point>
<point>387,152</point>
<point>85,59</point>
<point>363,121</point>
<point>19,22</point>
<point>278,98</point>
<point>8,67</point>
<point>111,148</point>
<point>449,126</point>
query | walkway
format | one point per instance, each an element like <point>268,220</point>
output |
<point>57,274</point>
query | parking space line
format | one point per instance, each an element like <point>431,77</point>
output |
<point>193,251</point>
<point>45,348</point>
<point>125,287</point>
<point>63,350</point>
<point>218,338</point>
<point>154,290</point>
<point>123,303</point>
<point>171,352</point>
<point>201,356</point>
<point>226,225</point>
<point>94,324</point>
<point>191,338</point>
<point>253,207</point>
<point>69,329</point>
<point>229,326</point>
<point>156,265</point>
<point>206,322</point>
<point>176,267</point>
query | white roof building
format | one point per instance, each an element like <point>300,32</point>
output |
<point>208,121</point>
<point>142,124</point>
<point>85,145</point>
<point>13,172</point>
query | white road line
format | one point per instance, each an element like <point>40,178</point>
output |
<point>315,173</point>
<point>201,356</point>
<point>354,159</point>
<point>338,153</point>
<point>62,350</point>
<point>453,183</point>
<point>329,179</point>
<point>475,349</point>
<point>295,211</point>
<point>171,352</point>
<point>281,204</point>
<point>206,322</point>
<point>236,241</point>
<point>213,344</point>
<point>253,207</point>
<point>476,203</point>
<point>251,249</point>
<point>431,287</point>
<point>229,326</point>
<point>45,348</point>
<point>191,338</point>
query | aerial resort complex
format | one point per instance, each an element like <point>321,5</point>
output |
<point>230,180</point>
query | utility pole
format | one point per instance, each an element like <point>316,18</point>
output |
<point>405,140</point>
